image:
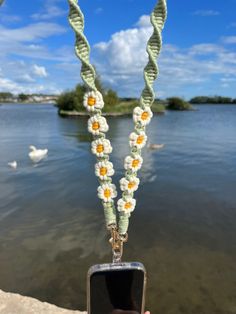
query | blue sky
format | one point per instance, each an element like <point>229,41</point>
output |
<point>198,56</point>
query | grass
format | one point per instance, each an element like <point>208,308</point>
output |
<point>126,107</point>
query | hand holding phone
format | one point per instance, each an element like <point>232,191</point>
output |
<point>116,288</point>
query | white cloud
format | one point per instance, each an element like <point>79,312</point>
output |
<point>8,85</point>
<point>205,49</point>
<point>206,13</point>
<point>39,71</point>
<point>144,21</point>
<point>51,10</point>
<point>127,48</point>
<point>229,39</point>
<point>30,32</point>
<point>24,78</point>
<point>7,18</point>
<point>228,79</point>
<point>28,41</point>
<point>121,60</point>
<point>98,11</point>
<point>205,67</point>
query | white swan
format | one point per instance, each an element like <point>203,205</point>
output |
<point>37,154</point>
<point>12,164</point>
<point>156,146</point>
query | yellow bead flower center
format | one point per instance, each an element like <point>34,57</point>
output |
<point>107,193</point>
<point>145,115</point>
<point>100,148</point>
<point>128,205</point>
<point>131,184</point>
<point>103,171</point>
<point>91,101</point>
<point>135,163</point>
<point>140,139</point>
<point>95,126</point>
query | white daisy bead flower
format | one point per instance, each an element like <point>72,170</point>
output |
<point>104,169</point>
<point>101,147</point>
<point>93,100</point>
<point>137,140</point>
<point>97,124</point>
<point>126,206</point>
<point>107,192</point>
<point>142,115</point>
<point>133,163</point>
<point>130,185</point>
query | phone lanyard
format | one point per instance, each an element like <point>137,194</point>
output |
<point>97,126</point>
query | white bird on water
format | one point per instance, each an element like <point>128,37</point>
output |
<point>12,164</point>
<point>37,154</point>
<point>156,146</point>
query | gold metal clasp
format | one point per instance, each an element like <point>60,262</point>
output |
<point>117,242</point>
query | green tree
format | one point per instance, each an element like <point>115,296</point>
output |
<point>110,99</point>
<point>66,101</point>
<point>22,97</point>
<point>199,100</point>
<point>176,103</point>
<point>5,95</point>
<point>80,90</point>
<point>99,85</point>
<point>211,100</point>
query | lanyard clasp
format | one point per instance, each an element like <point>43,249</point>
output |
<point>117,242</point>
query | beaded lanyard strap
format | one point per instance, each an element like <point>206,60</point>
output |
<point>97,125</point>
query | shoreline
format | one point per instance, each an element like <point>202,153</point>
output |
<point>27,103</point>
<point>75,114</point>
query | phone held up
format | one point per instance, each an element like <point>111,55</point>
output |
<point>117,288</point>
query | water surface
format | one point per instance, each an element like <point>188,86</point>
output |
<point>183,229</point>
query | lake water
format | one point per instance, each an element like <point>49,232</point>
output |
<point>183,228</point>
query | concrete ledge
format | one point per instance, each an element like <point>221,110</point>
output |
<point>11,303</point>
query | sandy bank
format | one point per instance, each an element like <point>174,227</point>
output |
<point>11,303</point>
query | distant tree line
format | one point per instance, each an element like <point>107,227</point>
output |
<point>9,97</point>
<point>6,96</point>
<point>73,101</point>
<point>212,100</point>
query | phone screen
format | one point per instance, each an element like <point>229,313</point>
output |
<point>116,292</point>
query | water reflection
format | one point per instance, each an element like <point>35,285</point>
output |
<point>183,229</point>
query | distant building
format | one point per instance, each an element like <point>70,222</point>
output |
<point>34,98</point>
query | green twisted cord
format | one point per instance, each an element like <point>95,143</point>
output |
<point>82,49</point>
<point>154,45</point>
<point>88,75</point>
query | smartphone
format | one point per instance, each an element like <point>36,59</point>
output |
<point>117,288</point>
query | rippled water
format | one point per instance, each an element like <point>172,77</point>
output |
<point>183,228</point>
